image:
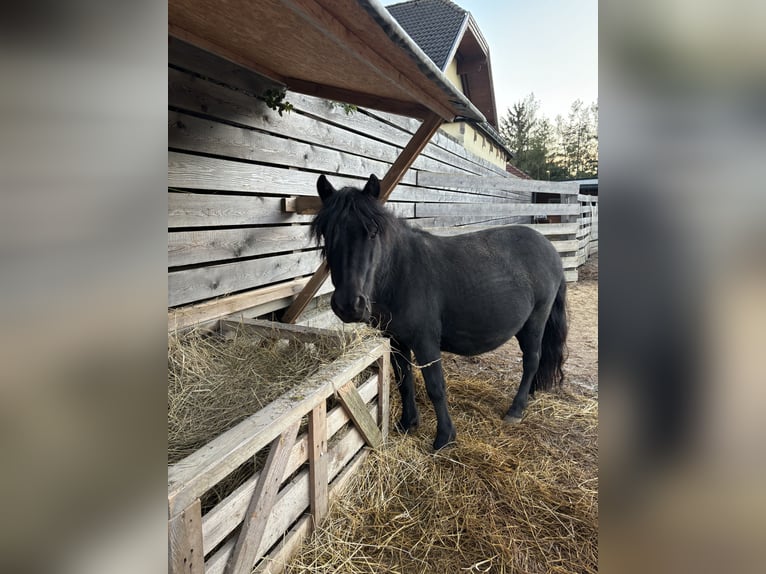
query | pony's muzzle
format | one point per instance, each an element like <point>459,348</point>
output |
<point>352,309</point>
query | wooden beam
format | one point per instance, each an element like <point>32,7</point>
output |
<point>302,205</point>
<point>495,209</point>
<point>383,104</point>
<point>245,551</point>
<point>384,377</point>
<point>191,315</point>
<point>307,294</point>
<point>485,183</point>
<point>357,411</point>
<point>408,155</point>
<point>318,480</point>
<point>402,163</point>
<point>185,553</point>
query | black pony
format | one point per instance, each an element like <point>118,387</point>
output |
<point>466,294</point>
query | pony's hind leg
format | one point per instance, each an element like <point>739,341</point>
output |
<point>530,341</point>
<point>403,373</point>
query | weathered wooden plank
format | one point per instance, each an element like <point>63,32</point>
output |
<point>357,410</point>
<point>188,133</point>
<point>550,229</point>
<point>264,309</point>
<point>183,317</point>
<point>570,275</point>
<point>291,503</point>
<point>273,330</point>
<point>565,246</point>
<point>461,181</point>
<point>194,475</point>
<point>276,561</point>
<point>207,210</point>
<point>190,285</point>
<point>483,209</point>
<point>384,377</point>
<point>294,499</point>
<point>446,231</point>
<point>416,194</point>
<point>202,246</point>
<point>316,121</point>
<point>189,171</point>
<point>245,551</point>
<point>318,480</point>
<point>185,553</point>
<point>229,513</point>
<point>475,221</point>
<point>569,262</point>
<point>218,210</point>
<point>190,57</point>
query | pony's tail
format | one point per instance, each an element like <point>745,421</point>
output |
<point>553,351</point>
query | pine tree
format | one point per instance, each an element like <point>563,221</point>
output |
<point>563,149</point>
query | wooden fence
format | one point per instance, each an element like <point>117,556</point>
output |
<point>257,523</point>
<point>587,233</point>
<point>235,166</point>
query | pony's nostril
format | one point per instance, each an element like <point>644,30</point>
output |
<point>359,303</point>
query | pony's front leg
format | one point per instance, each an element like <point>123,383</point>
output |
<point>434,378</point>
<point>403,373</point>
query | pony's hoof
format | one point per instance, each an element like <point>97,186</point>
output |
<point>405,427</point>
<point>512,419</point>
<point>442,442</point>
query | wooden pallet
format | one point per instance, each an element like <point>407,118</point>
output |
<point>262,522</point>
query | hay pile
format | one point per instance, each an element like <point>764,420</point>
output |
<point>215,381</point>
<point>517,498</point>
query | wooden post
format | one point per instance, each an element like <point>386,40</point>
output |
<point>185,555</point>
<point>384,373</point>
<point>395,173</point>
<point>318,461</point>
<point>246,549</point>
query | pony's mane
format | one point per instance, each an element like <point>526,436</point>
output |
<point>349,204</point>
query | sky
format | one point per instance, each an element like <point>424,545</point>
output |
<point>549,47</point>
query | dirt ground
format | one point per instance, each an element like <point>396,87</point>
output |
<point>581,367</point>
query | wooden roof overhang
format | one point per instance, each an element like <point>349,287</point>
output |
<point>347,50</point>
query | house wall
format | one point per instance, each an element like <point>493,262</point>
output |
<point>232,163</point>
<point>473,140</point>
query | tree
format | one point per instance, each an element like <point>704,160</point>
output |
<point>563,149</point>
<point>517,126</point>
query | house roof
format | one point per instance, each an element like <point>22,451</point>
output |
<point>352,51</point>
<point>512,169</point>
<point>435,25</point>
<point>444,31</point>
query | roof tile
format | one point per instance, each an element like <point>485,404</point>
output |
<point>434,25</point>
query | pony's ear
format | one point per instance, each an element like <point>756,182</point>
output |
<point>373,187</point>
<point>324,188</point>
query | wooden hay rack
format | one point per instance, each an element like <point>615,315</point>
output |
<point>258,523</point>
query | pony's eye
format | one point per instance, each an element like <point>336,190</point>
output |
<point>373,234</point>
